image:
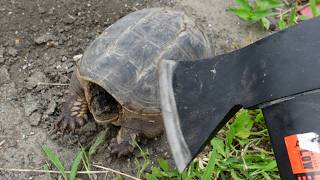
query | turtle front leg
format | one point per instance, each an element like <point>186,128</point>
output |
<point>123,144</point>
<point>74,113</point>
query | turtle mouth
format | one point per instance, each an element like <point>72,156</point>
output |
<point>103,106</point>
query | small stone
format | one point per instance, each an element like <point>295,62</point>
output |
<point>51,108</point>
<point>42,10</point>
<point>64,59</point>
<point>34,79</point>
<point>1,60</point>
<point>12,51</point>
<point>35,119</point>
<point>4,75</point>
<point>44,38</point>
<point>77,57</point>
<point>68,19</point>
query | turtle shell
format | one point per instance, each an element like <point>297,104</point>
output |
<point>123,59</point>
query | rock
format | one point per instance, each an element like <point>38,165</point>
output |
<point>68,19</point>
<point>4,75</point>
<point>1,60</point>
<point>51,108</point>
<point>30,105</point>
<point>1,52</point>
<point>34,79</point>
<point>77,57</point>
<point>12,51</point>
<point>35,119</point>
<point>45,38</point>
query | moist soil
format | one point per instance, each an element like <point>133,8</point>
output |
<point>40,43</point>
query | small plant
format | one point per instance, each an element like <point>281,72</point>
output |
<point>240,151</point>
<point>256,11</point>
<point>83,156</point>
<point>261,10</point>
<point>58,164</point>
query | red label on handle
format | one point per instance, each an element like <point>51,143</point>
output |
<point>304,154</point>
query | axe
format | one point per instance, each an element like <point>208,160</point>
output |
<point>279,74</point>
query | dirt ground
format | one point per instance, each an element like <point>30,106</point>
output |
<point>40,42</point>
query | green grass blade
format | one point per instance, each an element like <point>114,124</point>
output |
<point>314,9</point>
<point>293,16</point>
<point>244,4</point>
<point>210,167</point>
<point>282,24</point>
<point>99,140</point>
<point>75,165</point>
<point>241,13</point>
<point>55,160</point>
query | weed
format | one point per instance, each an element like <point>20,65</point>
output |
<point>262,10</point>
<point>83,156</point>
<point>240,151</point>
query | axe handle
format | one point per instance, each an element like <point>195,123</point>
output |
<point>294,128</point>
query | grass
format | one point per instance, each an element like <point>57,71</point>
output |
<point>241,150</point>
<point>262,11</point>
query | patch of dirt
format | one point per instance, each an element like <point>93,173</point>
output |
<point>40,42</point>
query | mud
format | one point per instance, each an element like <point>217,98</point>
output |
<point>40,42</point>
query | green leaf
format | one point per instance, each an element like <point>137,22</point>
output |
<point>163,164</point>
<point>314,8</point>
<point>265,23</point>
<point>99,140</point>
<point>241,13</point>
<point>262,5</point>
<point>303,18</point>
<point>151,177</point>
<point>293,16</point>
<point>282,24</point>
<point>156,172</point>
<point>243,124</point>
<point>210,167</point>
<point>257,15</point>
<point>244,4</point>
<point>75,165</point>
<point>259,118</point>
<point>55,160</point>
<point>218,145</point>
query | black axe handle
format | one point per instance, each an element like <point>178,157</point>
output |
<point>199,97</point>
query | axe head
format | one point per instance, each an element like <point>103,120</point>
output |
<point>199,97</point>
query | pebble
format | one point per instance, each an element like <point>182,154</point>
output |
<point>77,57</point>
<point>35,119</point>
<point>34,79</point>
<point>44,38</point>
<point>12,51</point>
<point>51,108</point>
<point>68,19</point>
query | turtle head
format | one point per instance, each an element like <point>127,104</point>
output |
<point>104,108</point>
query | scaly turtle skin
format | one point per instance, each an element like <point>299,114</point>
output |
<point>116,79</point>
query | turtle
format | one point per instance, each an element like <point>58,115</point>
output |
<point>116,79</point>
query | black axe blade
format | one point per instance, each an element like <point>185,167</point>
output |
<point>199,97</point>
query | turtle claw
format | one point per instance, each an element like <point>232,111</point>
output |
<point>122,149</point>
<point>74,114</point>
